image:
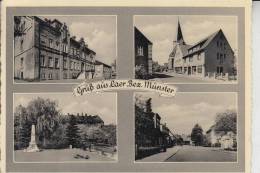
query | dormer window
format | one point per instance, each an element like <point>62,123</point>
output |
<point>140,51</point>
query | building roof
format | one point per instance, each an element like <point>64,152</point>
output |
<point>48,22</point>
<point>101,63</point>
<point>203,43</point>
<point>77,43</point>
<point>184,49</point>
<point>138,32</point>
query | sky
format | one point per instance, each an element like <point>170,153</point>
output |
<point>99,33</point>
<point>182,112</point>
<point>102,104</point>
<point>162,31</point>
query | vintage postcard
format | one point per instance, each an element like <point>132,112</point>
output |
<point>201,129</point>
<point>104,86</point>
<point>64,49</point>
<point>191,49</point>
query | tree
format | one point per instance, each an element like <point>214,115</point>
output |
<point>72,132</point>
<point>43,113</point>
<point>197,135</point>
<point>140,72</point>
<point>22,128</point>
<point>226,121</point>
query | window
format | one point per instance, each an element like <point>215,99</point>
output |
<point>42,42</point>
<point>57,44</point>
<point>76,66</point>
<point>217,43</point>
<point>199,57</point>
<point>140,51</point>
<point>184,60</point>
<point>42,59</point>
<point>65,64</point>
<point>50,62</point>
<point>71,65</point>
<point>221,59</point>
<point>21,63</point>
<point>224,45</point>
<point>217,56</point>
<point>50,75</point>
<point>64,48</point>
<point>224,57</point>
<point>199,69</point>
<point>50,43</point>
<point>21,45</point>
<point>56,62</point>
<point>43,75</point>
<point>190,59</point>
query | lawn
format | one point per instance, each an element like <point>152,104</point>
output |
<point>61,155</point>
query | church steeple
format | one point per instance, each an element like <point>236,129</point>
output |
<point>180,38</point>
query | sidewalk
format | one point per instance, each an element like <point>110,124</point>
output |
<point>161,157</point>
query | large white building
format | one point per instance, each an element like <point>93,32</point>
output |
<point>210,56</point>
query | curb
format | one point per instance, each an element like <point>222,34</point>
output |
<point>172,154</point>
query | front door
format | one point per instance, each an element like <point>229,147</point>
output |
<point>189,70</point>
<point>21,75</point>
<point>219,70</point>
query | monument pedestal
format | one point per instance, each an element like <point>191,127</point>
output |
<point>32,146</point>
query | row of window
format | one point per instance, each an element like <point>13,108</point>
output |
<point>140,51</point>
<point>221,57</point>
<point>193,69</point>
<point>54,63</point>
<point>191,58</point>
<point>50,62</point>
<point>74,51</point>
<point>44,76</point>
<point>53,44</point>
<point>220,44</point>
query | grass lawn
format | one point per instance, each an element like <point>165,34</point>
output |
<point>61,155</point>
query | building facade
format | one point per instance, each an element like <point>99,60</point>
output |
<point>143,52</point>
<point>211,56</point>
<point>44,50</point>
<point>151,136</point>
<point>103,70</point>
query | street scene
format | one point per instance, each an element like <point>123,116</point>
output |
<point>64,49</point>
<point>191,49</point>
<point>63,128</point>
<point>190,127</point>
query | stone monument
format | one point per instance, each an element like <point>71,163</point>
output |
<point>32,146</point>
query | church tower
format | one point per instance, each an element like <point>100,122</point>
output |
<point>180,38</point>
<point>179,46</point>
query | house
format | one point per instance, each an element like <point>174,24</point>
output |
<point>186,139</point>
<point>102,70</point>
<point>225,140</point>
<point>44,50</point>
<point>209,57</point>
<point>143,52</point>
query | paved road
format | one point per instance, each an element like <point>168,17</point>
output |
<point>202,154</point>
<point>176,78</point>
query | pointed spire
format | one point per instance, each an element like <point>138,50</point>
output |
<point>180,38</point>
